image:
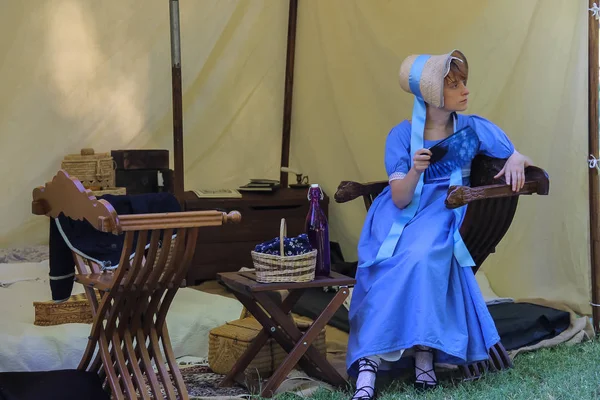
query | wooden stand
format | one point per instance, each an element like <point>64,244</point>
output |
<point>278,323</point>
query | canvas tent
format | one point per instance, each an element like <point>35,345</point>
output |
<point>79,73</point>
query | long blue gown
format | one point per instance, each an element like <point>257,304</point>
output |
<point>420,295</point>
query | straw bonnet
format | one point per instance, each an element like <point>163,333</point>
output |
<point>432,77</point>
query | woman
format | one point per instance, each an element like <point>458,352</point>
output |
<point>416,294</point>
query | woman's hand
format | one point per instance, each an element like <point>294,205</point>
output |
<point>514,170</point>
<point>421,160</point>
<point>403,190</point>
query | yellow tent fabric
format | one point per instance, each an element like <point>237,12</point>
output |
<point>83,73</point>
<point>79,73</point>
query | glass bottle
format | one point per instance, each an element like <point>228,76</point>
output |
<point>317,230</point>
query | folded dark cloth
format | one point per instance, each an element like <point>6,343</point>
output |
<point>526,324</point>
<point>291,246</point>
<point>101,246</point>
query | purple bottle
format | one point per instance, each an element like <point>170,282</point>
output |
<point>317,230</point>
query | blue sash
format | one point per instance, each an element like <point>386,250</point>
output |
<point>407,214</point>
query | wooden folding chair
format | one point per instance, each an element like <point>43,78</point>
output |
<point>491,207</point>
<point>130,312</point>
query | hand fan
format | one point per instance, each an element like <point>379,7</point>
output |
<point>456,151</point>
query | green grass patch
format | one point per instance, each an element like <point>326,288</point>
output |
<point>562,372</point>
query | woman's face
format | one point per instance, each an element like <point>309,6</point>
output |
<point>455,95</point>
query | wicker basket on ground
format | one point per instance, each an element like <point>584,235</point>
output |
<point>228,342</point>
<point>75,310</point>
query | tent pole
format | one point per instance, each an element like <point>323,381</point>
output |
<point>594,184</point>
<point>177,100</point>
<point>288,91</point>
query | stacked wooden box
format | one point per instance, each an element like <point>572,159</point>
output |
<point>143,171</point>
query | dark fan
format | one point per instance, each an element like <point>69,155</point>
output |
<point>456,151</point>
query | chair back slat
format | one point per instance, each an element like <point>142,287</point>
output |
<point>136,263</point>
<point>174,260</point>
<point>150,257</point>
<point>192,238</point>
<point>164,252</point>
<point>485,224</point>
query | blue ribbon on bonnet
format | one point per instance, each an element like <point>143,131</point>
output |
<point>416,142</point>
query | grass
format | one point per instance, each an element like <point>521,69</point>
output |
<point>562,372</point>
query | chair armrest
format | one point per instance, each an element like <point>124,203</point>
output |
<point>348,190</point>
<point>536,182</point>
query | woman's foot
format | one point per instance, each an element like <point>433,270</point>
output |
<point>424,371</point>
<point>365,383</point>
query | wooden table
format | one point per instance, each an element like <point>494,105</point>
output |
<point>277,322</point>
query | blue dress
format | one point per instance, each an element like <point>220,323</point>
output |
<point>420,295</point>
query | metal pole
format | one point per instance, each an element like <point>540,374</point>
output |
<point>177,100</point>
<point>288,91</point>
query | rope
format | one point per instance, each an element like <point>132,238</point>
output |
<point>104,265</point>
<point>593,162</point>
<point>595,10</point>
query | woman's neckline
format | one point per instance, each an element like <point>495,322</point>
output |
<point>455,117</point>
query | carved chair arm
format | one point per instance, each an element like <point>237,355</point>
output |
<point>349,190</point>
<point>536,181</point>
<point>66,195</point>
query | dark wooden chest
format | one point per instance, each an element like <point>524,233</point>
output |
<point>140,181</point>
<point>136,159</point>
<point>143,170</point>
<point>227,248</point>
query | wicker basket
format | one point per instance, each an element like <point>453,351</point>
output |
<point>76,310</point>
<point>271,268</point>
<point>228,342</point>
<point>95,171</point>
<point>110,190</point>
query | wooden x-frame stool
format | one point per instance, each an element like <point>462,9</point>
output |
<point>277,322</point>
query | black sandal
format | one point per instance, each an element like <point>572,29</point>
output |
<point>423,385</point>
<point>369,366</point>
<point>367,396</point>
